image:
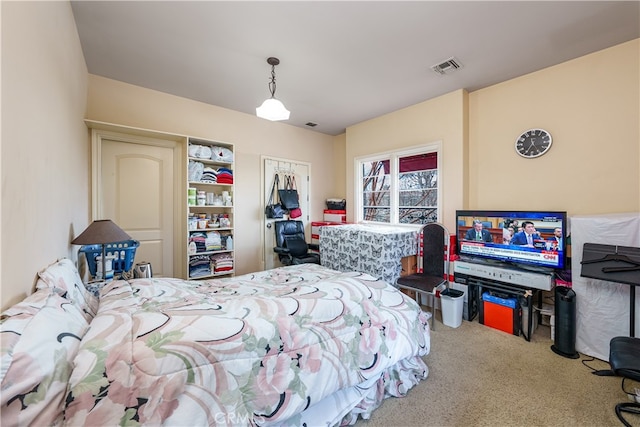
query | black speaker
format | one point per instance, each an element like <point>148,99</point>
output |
<point>565,327</point>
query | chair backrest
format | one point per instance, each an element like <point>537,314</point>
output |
<point>289,230</point>
<point>434,261</point>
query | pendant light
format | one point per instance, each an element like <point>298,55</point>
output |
<point>272,109</point>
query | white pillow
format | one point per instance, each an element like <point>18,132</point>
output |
<point>64,278</point>
<point>40,337</point>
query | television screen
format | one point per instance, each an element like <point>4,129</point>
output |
<point>525,238</point>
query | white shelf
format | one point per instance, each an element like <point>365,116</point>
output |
<point>211,162</point>
<point>212,210</point>
<point>220,251</point>
<point>204,230</point>
<point>221,184</point>
<point>210,206</point>
<point>208,276</point>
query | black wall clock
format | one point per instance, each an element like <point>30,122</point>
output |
<point>533,143</point>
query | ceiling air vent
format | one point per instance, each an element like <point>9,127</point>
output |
<point>447,67</point>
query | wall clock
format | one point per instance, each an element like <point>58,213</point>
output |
<point>533,143</point>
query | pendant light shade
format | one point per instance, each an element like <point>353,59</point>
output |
<point>273,109</point>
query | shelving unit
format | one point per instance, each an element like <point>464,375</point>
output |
<point>210,217</point>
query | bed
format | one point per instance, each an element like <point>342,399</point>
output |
<point>292,346</point>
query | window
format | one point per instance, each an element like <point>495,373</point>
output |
<point>400,187</point>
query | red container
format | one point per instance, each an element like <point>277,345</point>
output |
<point>502,314</point>
<point>498,316</point>
<point>335,215</point>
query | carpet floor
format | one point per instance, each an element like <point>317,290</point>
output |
<point>480,376</point>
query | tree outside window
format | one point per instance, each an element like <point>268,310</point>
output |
<point>400,188</point>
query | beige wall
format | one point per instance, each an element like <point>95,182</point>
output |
<point>339,167</point>
<point>591,106</point>
<point>45,154</point>
<point>124,104</point>
<point>440,119</point>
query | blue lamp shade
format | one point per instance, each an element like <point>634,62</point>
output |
<point>272,109</point>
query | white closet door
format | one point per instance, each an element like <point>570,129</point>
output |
<point>137,193</point>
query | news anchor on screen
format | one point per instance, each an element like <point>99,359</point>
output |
<point>478,233</point>
<point>527,236</point>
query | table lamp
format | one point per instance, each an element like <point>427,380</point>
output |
<point>101,232</point>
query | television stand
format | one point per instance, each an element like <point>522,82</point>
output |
<point>479,277</point>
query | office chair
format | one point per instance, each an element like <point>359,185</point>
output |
<point>435,266</point>
<point>624,358</point>
<point>291,246</point>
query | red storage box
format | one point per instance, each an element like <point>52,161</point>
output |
<point>501,313</point>
<point>335,215</point>
<point>315,229</point>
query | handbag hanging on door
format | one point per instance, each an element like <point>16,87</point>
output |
<point>289,195</point>
<point>295,212</point>
<point>274,210</point>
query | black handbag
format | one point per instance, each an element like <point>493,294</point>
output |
<point>289,194</point>
<point>274,210</point>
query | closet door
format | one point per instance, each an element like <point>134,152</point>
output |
<point>136,187</point>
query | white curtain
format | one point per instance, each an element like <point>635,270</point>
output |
<point>602,307</point>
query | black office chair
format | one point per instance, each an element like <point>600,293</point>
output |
<point>624,358</point>
<point>435,267</point>
<point>291,246</point>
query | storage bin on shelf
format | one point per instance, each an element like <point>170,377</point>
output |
<point>123,253</point>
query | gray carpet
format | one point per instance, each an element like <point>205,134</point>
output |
<point>479,376</point>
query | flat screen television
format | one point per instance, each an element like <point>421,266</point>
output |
<point>503,237</point>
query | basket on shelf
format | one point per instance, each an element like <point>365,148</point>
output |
<point>124,253</point>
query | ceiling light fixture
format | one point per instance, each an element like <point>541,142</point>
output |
<point>272,109</point>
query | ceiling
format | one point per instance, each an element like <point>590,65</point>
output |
<point>341,62</point>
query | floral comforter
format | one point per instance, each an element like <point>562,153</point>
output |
<point>288,346</point>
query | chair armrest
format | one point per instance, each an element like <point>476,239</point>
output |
<point>281,250</point>
<point>314,246</point>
